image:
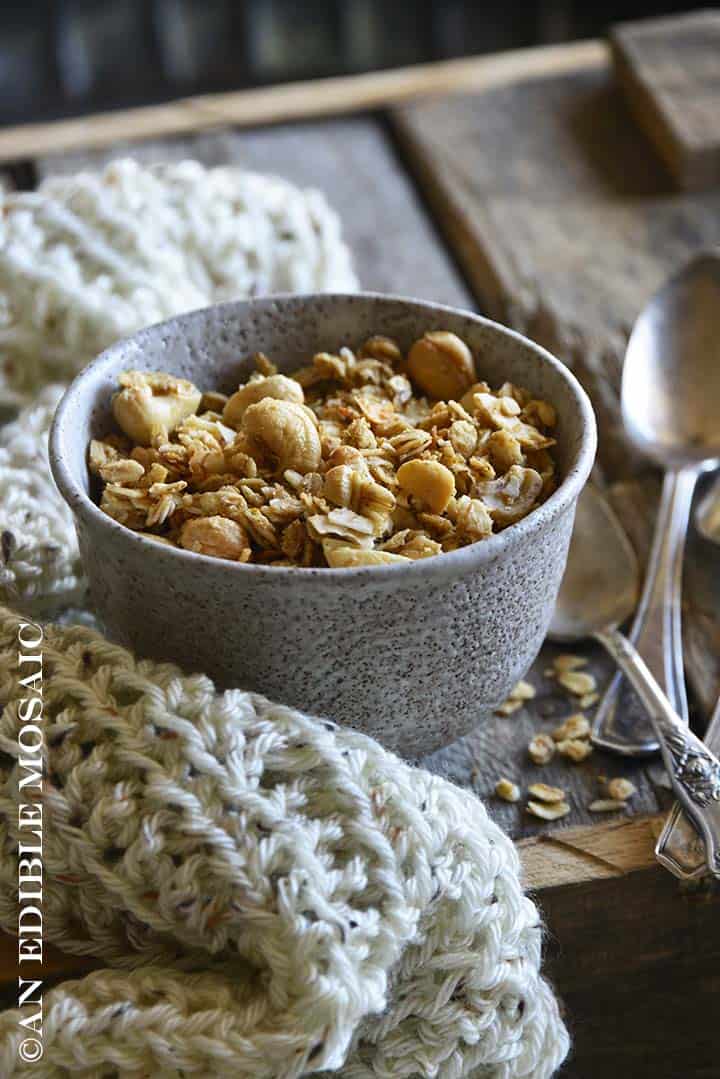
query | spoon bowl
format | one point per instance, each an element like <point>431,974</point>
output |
<point>671,377</point>
<point>602,576</point>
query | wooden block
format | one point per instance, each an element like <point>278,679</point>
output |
<point>669,70</point>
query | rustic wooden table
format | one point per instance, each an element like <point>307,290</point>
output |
<point>516,184</point>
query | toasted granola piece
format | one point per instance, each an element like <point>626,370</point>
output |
<point>541,749</point>
<point>568,662</point>
<point>100,454</point>
<point>508,707</point>
<point>575,726</point>
<point>511,496</point>
<point>621,789</point>
<point>123,470</point>
<point>505,450</point>
<point>216,536</point>
<point>543,793</point>
<point>507,790</point>
<point>574,749</point>
<point>548,812</point>
<point>522,691</point>
<point>357,556</point>
<point>606,805</point>
<point>579,683</point>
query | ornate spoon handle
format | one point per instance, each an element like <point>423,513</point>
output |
<point>693,770</point>
<point>679,847</point>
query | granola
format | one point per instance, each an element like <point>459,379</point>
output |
<point>358,458</point>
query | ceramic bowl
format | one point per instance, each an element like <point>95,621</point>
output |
<point>413,655</point>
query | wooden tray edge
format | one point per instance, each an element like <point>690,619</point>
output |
<point>293,101</point>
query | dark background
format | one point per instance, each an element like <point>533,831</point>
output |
<point>74,56</point>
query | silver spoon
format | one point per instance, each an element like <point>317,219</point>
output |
<point>597,594</point>
<point>671,411</point>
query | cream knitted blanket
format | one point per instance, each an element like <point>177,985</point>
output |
<point>338,909</point>
<point>88,259</point>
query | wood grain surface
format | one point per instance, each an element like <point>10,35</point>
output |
<point>637,960</point>
<point>669,70</point>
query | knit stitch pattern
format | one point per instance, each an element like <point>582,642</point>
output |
<point>39,557</point>
<point>339,909</point>
<point>90,258</point>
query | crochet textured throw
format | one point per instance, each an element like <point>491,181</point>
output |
<point>274,896</point>
<point>90,258</point>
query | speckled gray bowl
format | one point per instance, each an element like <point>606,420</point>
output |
<point>412,655</point>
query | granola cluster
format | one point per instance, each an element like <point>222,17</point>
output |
<point>360,458</point>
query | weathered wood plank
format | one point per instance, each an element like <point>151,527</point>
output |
<point>668,69</point>
<point>353,162</point>
<point>571,856</point>
<point>274,104</point>
<point>635,958</point>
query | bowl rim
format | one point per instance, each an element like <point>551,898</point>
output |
<point>449,564</point>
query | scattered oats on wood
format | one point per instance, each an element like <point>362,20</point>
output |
<point>507,790</point>
<point>548,812</point>
<point>606,805</point>
<point>621,789</point>
<point>588,700</point>
<point>575,726</point>
<point>541,749</point>
<point>543,793</point>
<point>574,749</point>
<point>568,662</point>
<point>508,707</point>
<point>523,691</point>
<point>520,693</point>
<point>577,682</point>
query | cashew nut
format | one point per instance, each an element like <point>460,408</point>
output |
<point>428,480</point>
<point>151,403</point>
<point>279,387</point>
<point>285,430</point>
<point>511,496</point>
<point>441,365</point>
